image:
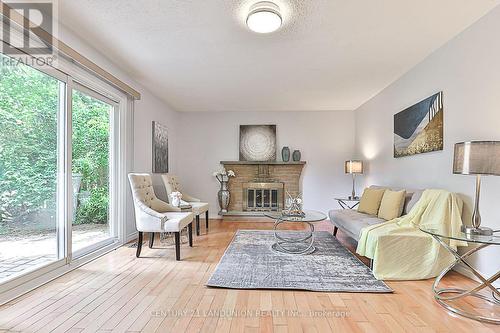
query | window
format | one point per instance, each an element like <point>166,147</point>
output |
<point>91,149</point>
<point>57,169</point>
<point>30,104</point>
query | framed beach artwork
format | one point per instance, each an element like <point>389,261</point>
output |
<point>160,148</point>
<point>419,128</point>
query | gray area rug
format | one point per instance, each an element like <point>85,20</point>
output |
<point>250,263</point>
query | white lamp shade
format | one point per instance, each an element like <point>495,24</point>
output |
<point>353,167</point>
<point>477,158</point>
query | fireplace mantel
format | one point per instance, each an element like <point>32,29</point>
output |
<point>261,163</point>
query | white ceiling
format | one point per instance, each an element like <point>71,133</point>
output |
<point>198,55</point>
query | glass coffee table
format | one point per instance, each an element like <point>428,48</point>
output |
<point>446,296</point>
<point>304,244</point>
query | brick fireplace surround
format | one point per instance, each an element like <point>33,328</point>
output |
<point>287,173</point>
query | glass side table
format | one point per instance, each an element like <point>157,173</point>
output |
<point>444,295</point>
<point>295,245</point>
<point>348,203</point>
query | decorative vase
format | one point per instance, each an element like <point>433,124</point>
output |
<point>285,154</point>
<point>224,197</point>
<point>296,155</point>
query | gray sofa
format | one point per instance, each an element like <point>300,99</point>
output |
<point>350,221</point>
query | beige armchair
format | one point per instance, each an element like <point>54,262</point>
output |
<point>153,215</point>
<point>198,207</point>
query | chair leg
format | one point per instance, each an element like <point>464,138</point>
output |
<point>197,225</point>
<point>335,229</point>
<point>177,245</point>
<point>206,219</point>
<point>190,234</point>
<point>151,239</point>
<point>139,245</point>
<point>371,264</point>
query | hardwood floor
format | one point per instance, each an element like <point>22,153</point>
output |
<point>119,293</point>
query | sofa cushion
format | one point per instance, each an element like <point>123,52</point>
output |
<point>370,201</point>
<point>392,205</point>
<point>412,196</point>
<point>353,221</point>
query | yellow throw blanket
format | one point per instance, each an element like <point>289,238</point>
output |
<point>400,251</point>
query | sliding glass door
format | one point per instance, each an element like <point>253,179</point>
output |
<point>92,144</point>
<point>57,170</point>
<point>31,106</point>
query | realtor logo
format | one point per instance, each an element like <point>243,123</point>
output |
<point>21,17</point>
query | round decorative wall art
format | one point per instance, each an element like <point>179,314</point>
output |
<point>258,143</point>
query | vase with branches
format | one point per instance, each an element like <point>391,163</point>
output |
<point>223,195</point>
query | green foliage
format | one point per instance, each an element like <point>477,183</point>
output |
<point>29,104</point>
<point>90,140</point>
<point>28,140</point>
<point>95,209</point>
<point>91,156</point>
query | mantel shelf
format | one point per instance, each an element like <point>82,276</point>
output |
<point>263,163</point>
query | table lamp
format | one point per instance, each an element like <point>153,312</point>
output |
<point>477,158</point>
<point>353,168</point>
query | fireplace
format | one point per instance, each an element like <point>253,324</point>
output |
<point>260,187</point>
<point>263,196</point>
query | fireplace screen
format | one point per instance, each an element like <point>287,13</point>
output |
<point>263,196</point>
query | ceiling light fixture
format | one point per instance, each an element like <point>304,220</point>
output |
<point>264,17</point>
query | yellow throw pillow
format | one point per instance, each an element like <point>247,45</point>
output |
<point>370,201</point>
<point>392,205</point>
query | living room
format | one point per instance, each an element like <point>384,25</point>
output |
<point>249,165</point>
